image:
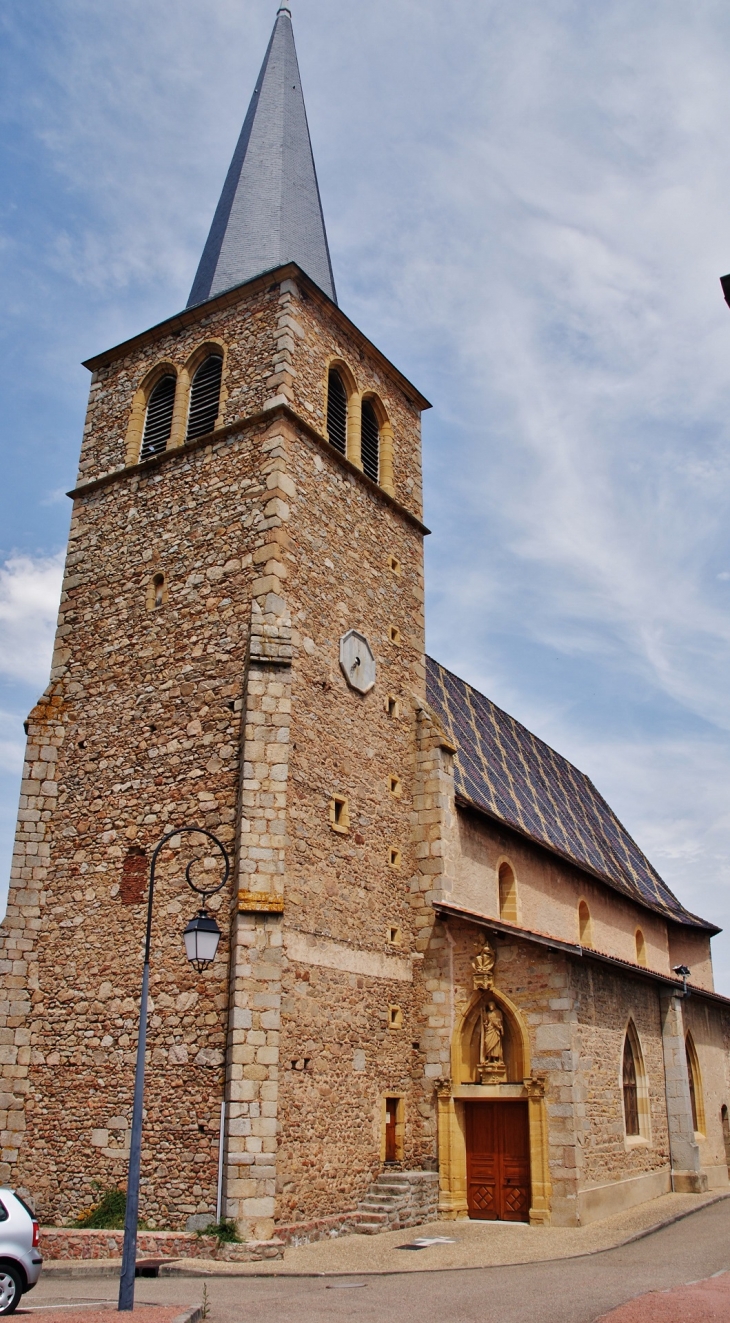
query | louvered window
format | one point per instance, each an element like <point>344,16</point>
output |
<point>337,412</point>
<point>370,441</point>
<point>205,397</point>
<point>158,422</point>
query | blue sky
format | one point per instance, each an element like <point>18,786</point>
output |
<point>528,208</point>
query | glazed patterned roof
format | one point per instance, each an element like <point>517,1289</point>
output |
<point>504,770</point>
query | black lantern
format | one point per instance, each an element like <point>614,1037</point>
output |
<point>201,938</point>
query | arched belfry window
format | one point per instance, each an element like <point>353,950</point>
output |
<point>370,441</point>
<point>630,1088</point>
<point>205,394</point>
<point>337,411</point>
<point>158,418</point>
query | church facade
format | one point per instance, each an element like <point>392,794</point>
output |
<point>441,952</point>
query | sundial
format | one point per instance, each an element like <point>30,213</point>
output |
<point>357,661</point>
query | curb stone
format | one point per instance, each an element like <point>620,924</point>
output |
<point>194,1315</point>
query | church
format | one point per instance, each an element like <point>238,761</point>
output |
<point>444,965</point>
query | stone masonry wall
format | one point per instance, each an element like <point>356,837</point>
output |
<point>148,724</point>
<point>341,976</point>
<point>603,1003</point>
<point>142,711</point>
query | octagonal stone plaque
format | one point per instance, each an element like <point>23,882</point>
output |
<point>357,661</point>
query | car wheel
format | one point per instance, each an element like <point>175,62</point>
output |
<point>11,1288</point>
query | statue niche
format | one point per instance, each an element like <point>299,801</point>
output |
<point>492,1067</point>
<point>491,1044</point>
<point>491,1050</point>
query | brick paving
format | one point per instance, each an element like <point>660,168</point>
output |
<point>697,1302</point>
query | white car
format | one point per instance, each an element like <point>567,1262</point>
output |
<point>20,1256</point>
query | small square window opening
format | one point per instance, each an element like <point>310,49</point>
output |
<point>394,935</point>
<point>392,706</point>
<point>394,564</point>
<point>395,786</point>
<point>395,635</point>
<point>156,591</point>
<point>394,857</point>
<point>339,814</point>
<point>395,1017</point>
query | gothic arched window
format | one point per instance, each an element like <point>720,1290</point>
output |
<point>158,418</point>
<point>370,441</point>
<point>630,1089</point>
<point>695,1085</point>
<point>205,394</point>
<point>337,411</point>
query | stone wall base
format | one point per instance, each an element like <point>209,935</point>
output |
<point>717,1177</point>
<point>690,1182</point>
<point>600,1201</point>
<point>78,1243</point>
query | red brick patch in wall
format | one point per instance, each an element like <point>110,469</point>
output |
<point>134,876</point>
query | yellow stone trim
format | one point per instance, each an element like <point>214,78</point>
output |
<point>353,434</point>
<point>385,442</point>
<point>339,814</point>
<point>452,1121</point>
<point>260,902</point>
<point>155,581</point>
<point>135,426</point>
<point>182,398</point>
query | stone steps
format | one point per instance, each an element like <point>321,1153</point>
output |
<point>398,1199</point>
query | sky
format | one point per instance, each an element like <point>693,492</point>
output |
<point>528,208</point>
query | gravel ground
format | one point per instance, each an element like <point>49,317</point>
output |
<point>476,1245</point>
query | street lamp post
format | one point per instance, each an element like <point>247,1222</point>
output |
<point>201,939</point>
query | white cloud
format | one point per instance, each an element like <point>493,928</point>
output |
<point>30,588</point>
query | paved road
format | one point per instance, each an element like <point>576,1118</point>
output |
<point>561,1291</point>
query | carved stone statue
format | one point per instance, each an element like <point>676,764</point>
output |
<point>483,965</point>
<point>492,1068</point>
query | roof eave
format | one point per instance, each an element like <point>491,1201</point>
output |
<point>691,921</point>
<point>181,320</point>
<point>572,949</point>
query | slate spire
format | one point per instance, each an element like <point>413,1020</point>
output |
<point>270,210</point>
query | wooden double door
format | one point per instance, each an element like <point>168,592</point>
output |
<point>498,1161</point>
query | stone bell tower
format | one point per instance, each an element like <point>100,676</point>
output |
<point>240,646</point>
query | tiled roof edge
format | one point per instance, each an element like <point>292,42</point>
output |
<point>623,886</point>
<point>573,949</point>
<point>690,920</point>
